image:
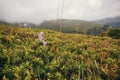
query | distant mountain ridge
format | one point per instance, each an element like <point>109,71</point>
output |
<point>113,21</point>
<point>73,26</point>
<point>70,25</point>
<point>16,24</point>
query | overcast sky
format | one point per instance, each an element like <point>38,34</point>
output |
<point>37,11</point>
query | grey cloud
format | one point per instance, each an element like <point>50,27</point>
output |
<point>37,11</point>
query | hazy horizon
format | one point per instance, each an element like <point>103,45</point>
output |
<point>37,11</point>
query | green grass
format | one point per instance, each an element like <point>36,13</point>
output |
<point>65,57</point>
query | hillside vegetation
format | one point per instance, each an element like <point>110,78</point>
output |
<point>112,21</point>
<point>65,56</point>
<point>73,26</point>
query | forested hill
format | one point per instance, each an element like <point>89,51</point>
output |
<point>65,56</point>
<point>112,21</point>
<point>67,26</point>
<point>71,26</point>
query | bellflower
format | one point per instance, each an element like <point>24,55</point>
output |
<point>40,36</point>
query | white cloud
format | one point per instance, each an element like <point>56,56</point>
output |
<point>95,3</point>
<point>37,11</point>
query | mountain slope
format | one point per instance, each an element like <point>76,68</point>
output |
<point>113,21</point>
<point>70,26</point>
